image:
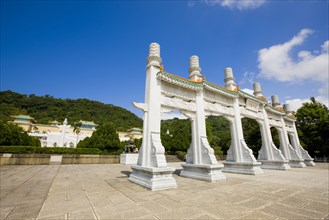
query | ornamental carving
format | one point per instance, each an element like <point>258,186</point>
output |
<point>173,90</point>
<point>217,98</point>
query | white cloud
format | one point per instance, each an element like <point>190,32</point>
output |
<point>297,103</point>
<point>276,62</point>
<point>248,78</point>
<point>236,4</point>
<point>249,91</point>
<point>191,3</point>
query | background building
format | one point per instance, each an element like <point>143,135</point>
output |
<point>56,134</point>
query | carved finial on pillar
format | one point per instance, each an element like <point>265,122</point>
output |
<point>257,90</point>
<point>154,58</point>
<point>287,109</point>
<point>65,121</point>
<point>195,70</point>
<point>229,79</point>
<point>275,101</point>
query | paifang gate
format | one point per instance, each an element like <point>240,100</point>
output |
<point>197,98</point>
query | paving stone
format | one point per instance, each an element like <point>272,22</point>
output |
<point>258,215</point>
<point>169,203</point>
<point>103,191</point>
<point>318,207</point>
<point>5,211</point>
<point>154,207</point>
<point>295,201</point>
<point>182,213</point>
<point>253,203</point>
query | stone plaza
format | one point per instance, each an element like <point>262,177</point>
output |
<point>103,191</point>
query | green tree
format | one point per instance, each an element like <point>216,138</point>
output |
<point>218,133</point>
<point>252,135</point>
<point>104,138</point>
<point>12,135</point>
<point>275,137</point>
<point>313,127</point>
<point>176,134</point>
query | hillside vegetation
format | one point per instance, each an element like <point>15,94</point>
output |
<point>47,108</point>
<point>312,124</point>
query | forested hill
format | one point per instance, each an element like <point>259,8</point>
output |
<point>46,108</point>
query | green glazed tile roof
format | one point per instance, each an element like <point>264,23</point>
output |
<point>179,79</point>
<point>220,88</point>
<point>90,123</point>
<point>23,117</point>
<point>252,96</point>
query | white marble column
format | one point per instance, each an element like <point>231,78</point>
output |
<point>287,150</point>
<point>269,155</point>
<point>151,170</point>
<point>240,158</point>
<point>201,163</point>
<point>308,160</point>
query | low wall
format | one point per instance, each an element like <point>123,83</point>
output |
<point>46,159</point>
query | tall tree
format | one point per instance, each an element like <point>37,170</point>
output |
<point>252,135</point>
<point>12,135</point>
<point>176,134</point>
<point>313,127</point>
<point>104,138</point>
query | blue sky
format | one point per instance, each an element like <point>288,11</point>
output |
<point>98,49</point>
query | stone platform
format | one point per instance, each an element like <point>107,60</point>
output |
<point>103,191</point>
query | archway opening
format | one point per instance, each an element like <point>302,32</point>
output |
<point>290,138</point>
<point>252,135</point>
<point>175,133</point>
<point>275,137</point>
<point>218,134</point>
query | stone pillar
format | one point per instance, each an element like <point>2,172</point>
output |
<point>151,170</point>
<point>201,163</point>
<point>287,109</point>
<point>229,79</point>
<point>269,155</point>
<point>275,101</point>
<point>257,90</point>
<point>308,160</point>
<point>195,70</point>
<point>284,142</point>
<point>288,151</point>
<point>240,158</point>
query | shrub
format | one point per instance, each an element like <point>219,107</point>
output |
<point>181,155</point>
<point>48,150</point>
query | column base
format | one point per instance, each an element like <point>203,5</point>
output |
<point>153,178</point>
<point>251,168</point>
<point>205,172</point>
<point>297,163</point>
<point>275,164</point>
<point>309,163</point>
<point>130,159</point>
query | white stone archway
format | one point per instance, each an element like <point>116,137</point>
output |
<point>197,98</point>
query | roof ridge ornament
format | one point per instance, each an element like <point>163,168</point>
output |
<point>229,79</point>
<point>258,91</point>
<point>195,70</point>
<point>154,58</point>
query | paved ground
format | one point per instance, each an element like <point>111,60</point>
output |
<point>104,192</point>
